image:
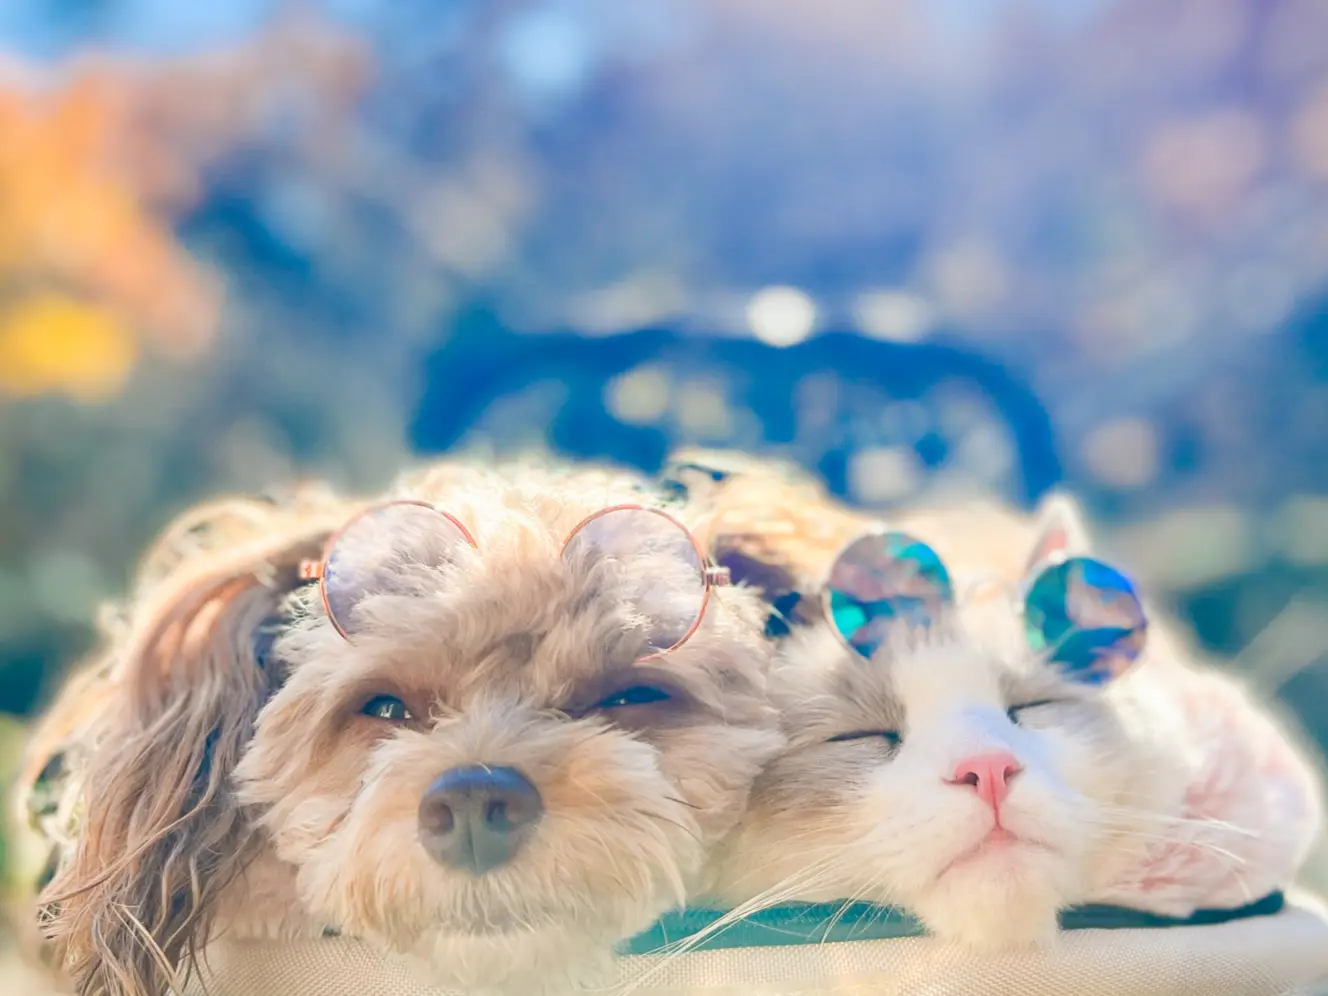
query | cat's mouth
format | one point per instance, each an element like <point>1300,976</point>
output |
<point>999,843</point>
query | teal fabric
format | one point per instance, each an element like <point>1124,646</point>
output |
<point>818,923</point>
<point>794,923</point>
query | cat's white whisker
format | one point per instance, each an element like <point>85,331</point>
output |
<point>780,893</point>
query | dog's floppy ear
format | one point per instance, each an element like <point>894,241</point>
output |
<point>46,788</point>
<point>160,835</point>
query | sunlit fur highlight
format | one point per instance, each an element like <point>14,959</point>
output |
<point>62,732</point>
<point>1133,793</point>
<point>159,723</point>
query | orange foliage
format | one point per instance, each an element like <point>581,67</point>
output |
<point>93,171</point>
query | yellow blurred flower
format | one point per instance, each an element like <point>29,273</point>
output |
<point>51,343</point>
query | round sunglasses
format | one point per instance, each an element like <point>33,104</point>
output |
<point>1081,615</point>
<point>383,547</point>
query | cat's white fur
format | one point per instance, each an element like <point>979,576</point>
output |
<point>1116,800</point>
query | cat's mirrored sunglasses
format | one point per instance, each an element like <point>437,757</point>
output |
<point>1081,614</point>
<point>383,547</point>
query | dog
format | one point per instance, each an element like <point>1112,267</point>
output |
<point>492,724</point>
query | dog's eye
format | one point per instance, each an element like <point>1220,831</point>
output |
<point>891,737</point>
<point>387,707</point>
<point>637,695</point>
<point>1016,712</point>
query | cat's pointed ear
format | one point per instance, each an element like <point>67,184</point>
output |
<point>1061,532</point>
<point>768,521</point>
<point>713,485</point>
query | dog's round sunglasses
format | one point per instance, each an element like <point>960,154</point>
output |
<point>378,549</point>
<point>1081,614</point>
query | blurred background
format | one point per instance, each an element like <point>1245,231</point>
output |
<point>924,248</point>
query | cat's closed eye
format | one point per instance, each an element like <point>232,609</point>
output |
<point>1017,712</point>
<point>892,738</point>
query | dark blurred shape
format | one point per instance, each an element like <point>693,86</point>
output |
<point>482,363</point>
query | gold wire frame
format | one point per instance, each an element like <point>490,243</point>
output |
<point>711,575</point>
<point>316,570</point>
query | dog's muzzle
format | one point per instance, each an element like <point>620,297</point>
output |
<point>477,817</point>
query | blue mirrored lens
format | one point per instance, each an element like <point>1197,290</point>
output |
<point>881,579</point>
<point>1086,618</point>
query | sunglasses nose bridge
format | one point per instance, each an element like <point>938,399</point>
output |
<point>988,587</point>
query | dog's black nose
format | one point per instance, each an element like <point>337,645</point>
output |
<point>475,818</point>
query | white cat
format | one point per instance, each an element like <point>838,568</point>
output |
<point>963,775</point>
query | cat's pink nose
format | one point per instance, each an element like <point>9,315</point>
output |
<point>989,775</point>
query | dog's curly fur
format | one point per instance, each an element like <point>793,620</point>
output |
<point>231,791</point>
<point>501,655</point>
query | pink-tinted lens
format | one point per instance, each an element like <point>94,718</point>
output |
<point>395,548</point>
<point>652,563</point>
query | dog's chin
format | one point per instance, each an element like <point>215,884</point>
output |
<point>548,921</point>
<point>536,959</point>
<point>521,944</point>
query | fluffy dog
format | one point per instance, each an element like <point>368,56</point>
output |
<point>466,745</point>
